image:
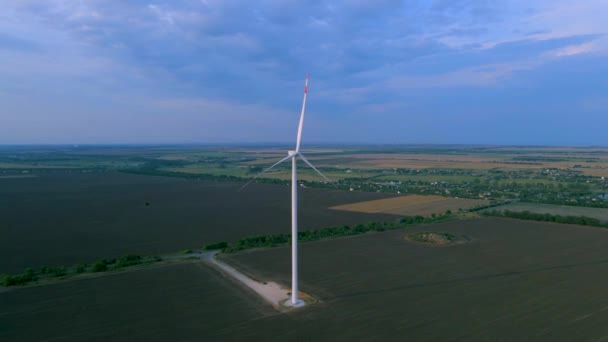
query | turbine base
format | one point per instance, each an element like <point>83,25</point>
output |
<point>300,303</point>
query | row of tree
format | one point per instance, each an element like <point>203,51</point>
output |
<point>30,275</point>
<point>527,215</point>
<point>273,240</point>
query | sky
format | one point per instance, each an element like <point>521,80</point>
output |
<point>381,72</point>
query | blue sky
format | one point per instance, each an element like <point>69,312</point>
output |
<point>221,71</point>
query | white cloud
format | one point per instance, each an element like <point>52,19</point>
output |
<point>217,63</point>
<point>484,75</point>
<point>532,21</point>
<point>574,50</point>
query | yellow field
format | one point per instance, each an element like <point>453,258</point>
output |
<point>596,172</point>
<point>597,165</point>
<point>462,164</point>
<point>412,205</point>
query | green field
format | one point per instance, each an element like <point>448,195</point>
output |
<point>563,210</point>
<point>513,280</point>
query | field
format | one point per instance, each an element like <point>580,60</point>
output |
<point>411,205</point>
<point>513,281</point>
<point>175,302</point>
<point>69,217</point>
<point>561,175</point>
<point>502,280</point>
<point>563,210</point>
<point>594,161</point>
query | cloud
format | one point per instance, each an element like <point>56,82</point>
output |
<point>574,50</point>
<point>224,56</point>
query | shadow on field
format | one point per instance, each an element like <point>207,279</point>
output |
<point>479,277</point>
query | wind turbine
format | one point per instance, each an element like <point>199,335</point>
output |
<point>293,155</point>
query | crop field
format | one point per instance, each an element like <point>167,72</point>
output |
<point>281,172</point>
<point>411,205</point>
<point>426,178</point>
<point>564,210</point>
<point>596,171</point>
<point>496,279</point>
<point>171,302</point>
<point>69,217</point>
<point>589,162</point>
<point>461,161</point>
<point>515,280</point>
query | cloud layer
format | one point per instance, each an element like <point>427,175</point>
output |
<point>211,71</point>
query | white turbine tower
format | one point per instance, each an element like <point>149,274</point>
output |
<point>293,155</point>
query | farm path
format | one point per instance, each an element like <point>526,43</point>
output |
<point>272,292</point>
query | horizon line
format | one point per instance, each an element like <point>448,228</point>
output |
<point>283,144</point>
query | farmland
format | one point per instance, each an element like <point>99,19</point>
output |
<point>163,303</point>
<point>484,279</point>
<point>66,205</point>
<point>66,217</point>
<point>556,175</point>
<point>513,280</point>
<point>412,205</point>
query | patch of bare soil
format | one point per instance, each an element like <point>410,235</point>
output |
<point>437,238</point>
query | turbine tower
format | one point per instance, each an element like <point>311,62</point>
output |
<point>293,155</point>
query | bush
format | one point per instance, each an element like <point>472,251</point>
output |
<point>100,266</point>
<point>216,245</point>
<point>19,279</point>
<point>185,251</point>
<point>58,271</point>
<point>8,280</point>
<point>128,260</point>
<point>81,268</point>
<point>108,261</point>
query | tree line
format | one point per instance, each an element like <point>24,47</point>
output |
<point>527,215</point>
<point>30,275</point>
<point>273,240</point>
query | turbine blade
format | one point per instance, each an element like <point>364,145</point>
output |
<point>313,167</point>
<point>301,125</point>
<point>266,170</point>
